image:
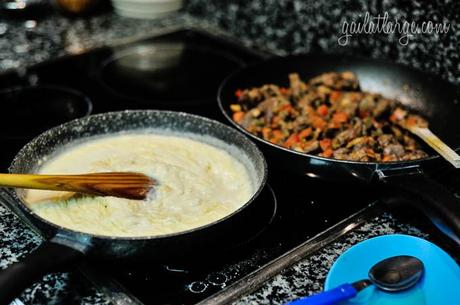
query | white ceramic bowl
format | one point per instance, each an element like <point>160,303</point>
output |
<point>146,9</point>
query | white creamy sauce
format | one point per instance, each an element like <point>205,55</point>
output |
<point>198,184</point>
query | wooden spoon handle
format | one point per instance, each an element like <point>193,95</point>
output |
<point>437,144</point>
<point>118,184</point>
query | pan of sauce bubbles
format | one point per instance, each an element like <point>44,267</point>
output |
<point>63,247</point>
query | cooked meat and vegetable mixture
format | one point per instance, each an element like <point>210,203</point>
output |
<point>330,116</point>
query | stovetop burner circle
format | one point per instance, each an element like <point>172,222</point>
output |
<point>167,74</point>
<point>228,247</point>
<point>30,110</point>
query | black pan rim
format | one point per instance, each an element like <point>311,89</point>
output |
<point>242,70</point>
<point>84,235</point>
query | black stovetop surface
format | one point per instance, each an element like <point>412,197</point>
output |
<point>180,71</point>
<point>304,209</point>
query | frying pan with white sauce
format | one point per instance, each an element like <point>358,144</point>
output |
<point>64,246</point>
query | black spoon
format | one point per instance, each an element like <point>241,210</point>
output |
<point>393,274</point>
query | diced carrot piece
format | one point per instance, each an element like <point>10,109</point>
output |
<point>266,132</point>
<point>305,133</point>
<point>293,139</point>
<point>276,135</point>
<point>286,107</point>
<point>238,116</point>
<point>275,121</point>
<point>411,121</point>
<point>284,91</point>
<point>370,152</point>
<point>328,153</point>
<point>325,144</point>
<point>334,96</point>
<point>238,93</point>
<point>340,117</point>
<point>393,118</point>
<point>308,109</point>
<point>318,122</point>
<point>333,125</point>
<point>322,110</point>
<point>386,158</point>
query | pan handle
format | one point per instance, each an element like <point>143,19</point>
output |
<point>434,200</point>
<point>48,257</point>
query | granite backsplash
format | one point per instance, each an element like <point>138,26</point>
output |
<point>25,41</point>
<point>296,26</point>
<point>300,26</point>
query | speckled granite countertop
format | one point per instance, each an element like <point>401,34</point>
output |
<point>23,44</point>
<point>55,36</point>
<point>283,27</point>
<point>16,240</point>
<point>300,26</point>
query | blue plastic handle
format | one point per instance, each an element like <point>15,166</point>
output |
<point>330,297</point>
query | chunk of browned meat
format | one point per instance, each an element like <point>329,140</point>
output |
<point>330,114</point>
<point>270,90</point>
<point>247,120</point>
<point>342,138</point>
<point>409,143</point>
<point>358,155</point>
<point>413,155</point>
<point>337,81</point>
<point>297,86</point>
<point>386,139</point>
<point>251,96</point>
<point>361,142</point>
<point>348,103</point>
<point>341,153</point>
<point>310,146</point>
<point>394,149</point>
<point>367,104</point>
<point>267,107</point>
<point>382,108</point>
<point>307,99</point>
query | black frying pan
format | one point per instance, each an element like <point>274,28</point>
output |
<point>438,100</point>
<point>65,246</point>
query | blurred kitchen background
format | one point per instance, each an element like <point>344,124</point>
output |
<point>33,31</point>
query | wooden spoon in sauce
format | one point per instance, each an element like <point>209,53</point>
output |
<point>118,184</point>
